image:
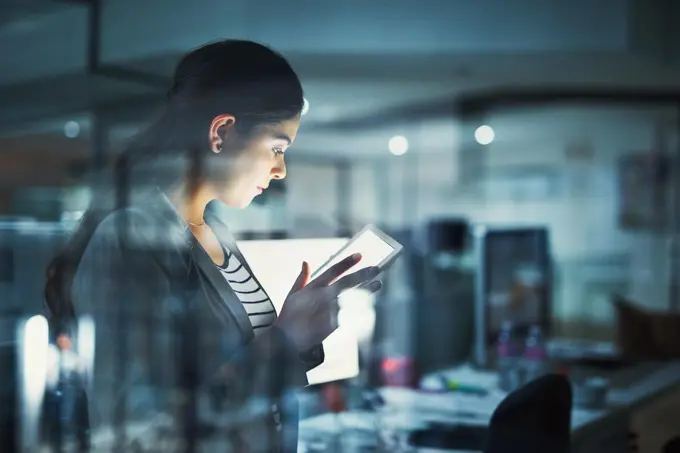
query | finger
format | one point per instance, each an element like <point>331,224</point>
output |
<point>337,270</point>
<point>373,287</point>
<point>302,279</point>
<point>354,279</point>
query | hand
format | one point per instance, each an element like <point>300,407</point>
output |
<point>310,312</point>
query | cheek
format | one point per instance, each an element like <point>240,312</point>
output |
<point>252,168</point>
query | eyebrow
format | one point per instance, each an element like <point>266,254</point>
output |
<point>282,136</point>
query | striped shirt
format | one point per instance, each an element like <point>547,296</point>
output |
<point>255,301</point>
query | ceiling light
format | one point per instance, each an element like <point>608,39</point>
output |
<point>72,129</point>
<point>484,135</point>
<point>398,145</point>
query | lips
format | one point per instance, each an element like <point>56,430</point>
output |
<point>259,190</point>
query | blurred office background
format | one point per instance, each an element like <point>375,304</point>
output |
<point>563,115</point>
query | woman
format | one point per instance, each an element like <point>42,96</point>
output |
<point>159,254</point>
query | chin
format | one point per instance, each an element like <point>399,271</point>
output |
<point>237,199</point>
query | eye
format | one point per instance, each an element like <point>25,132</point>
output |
<point>277,151</point>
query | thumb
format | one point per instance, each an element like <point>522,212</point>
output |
<point>302,279</point>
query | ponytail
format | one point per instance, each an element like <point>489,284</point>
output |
<point>62,269</point>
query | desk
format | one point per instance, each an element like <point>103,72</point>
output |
<point>640,403</point>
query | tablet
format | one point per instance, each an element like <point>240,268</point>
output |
<point>376,248</point>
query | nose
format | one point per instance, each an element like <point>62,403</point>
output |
<point>279,170</point>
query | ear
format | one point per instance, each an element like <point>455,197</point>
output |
<point>220,128</point>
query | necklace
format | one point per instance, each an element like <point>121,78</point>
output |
<point>196,225</point>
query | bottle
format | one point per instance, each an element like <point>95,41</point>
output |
<point>508,357</point>
<point>534,357</point>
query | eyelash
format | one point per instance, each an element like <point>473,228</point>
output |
<point>277,151</point>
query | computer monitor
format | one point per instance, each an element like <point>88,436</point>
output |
<point>276,263</point>
<point>514,283</point>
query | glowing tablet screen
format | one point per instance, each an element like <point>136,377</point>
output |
<point>374,250</point>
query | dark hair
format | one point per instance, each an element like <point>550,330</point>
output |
<point>240,78</point>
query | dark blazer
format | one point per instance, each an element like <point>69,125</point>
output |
<point>175,354</point>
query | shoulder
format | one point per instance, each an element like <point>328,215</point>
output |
<point>115,247</point>
<point>135,228</point>
<point>124,245</point>
<point>118,262</point>
<point>136,242</point>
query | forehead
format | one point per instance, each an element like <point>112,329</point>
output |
<point>285,130</point>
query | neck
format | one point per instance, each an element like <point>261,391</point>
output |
<point>191,205</point>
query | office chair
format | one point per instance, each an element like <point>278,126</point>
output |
<point>533,418</point>
<point>672,446</point>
